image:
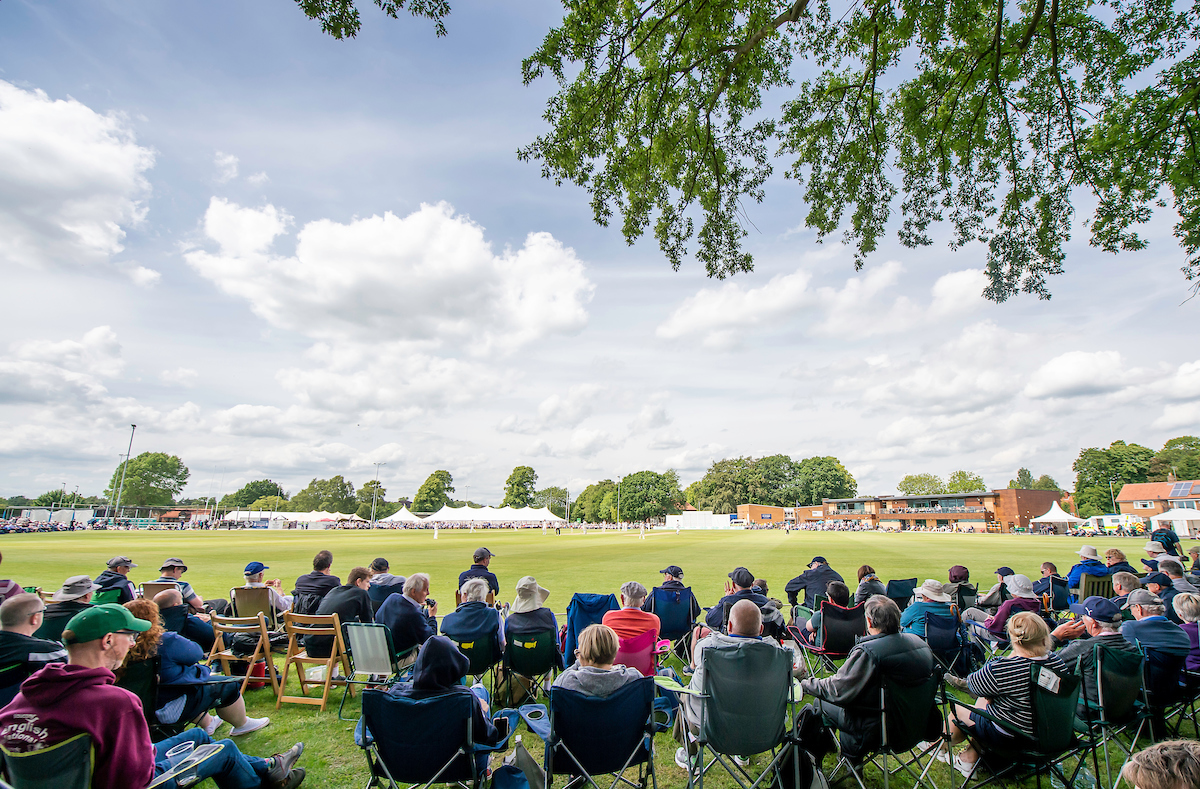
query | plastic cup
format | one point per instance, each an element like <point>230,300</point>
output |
<point>176,756</point>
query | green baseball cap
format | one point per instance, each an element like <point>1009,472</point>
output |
<point>100,620</point>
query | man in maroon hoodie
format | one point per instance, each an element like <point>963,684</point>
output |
<point>62,700</point>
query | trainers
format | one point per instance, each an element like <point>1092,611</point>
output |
<point>213,724</point>
<point>251,724</point>
<point>681,759</point>
<point>741,761</point>
<point>281,766</point>
<point>964,768</point>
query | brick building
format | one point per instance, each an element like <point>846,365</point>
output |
<point>1001,510</point>
<point>1146,499</point>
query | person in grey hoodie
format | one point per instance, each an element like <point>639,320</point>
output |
<point>593,673</point>
<point>383,583</point>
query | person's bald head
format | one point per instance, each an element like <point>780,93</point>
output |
<point>22,613</point>
<point>169,598</point>
<point>745,619</point>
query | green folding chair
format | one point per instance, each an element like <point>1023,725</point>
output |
<point>64,765</point>
<point>107,596</point>
<point>1118,715</point>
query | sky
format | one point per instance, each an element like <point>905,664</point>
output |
<point>285,256</point>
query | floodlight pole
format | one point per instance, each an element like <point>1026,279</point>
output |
<point>619,481</point>
<point>1113,497</point>
<point>124,468</point>
<point>375,491</point>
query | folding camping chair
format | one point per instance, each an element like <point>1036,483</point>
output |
<point>64,765</point>
<point>1054,695</point>
<point>1163,689</point>
<point>530,661</point>
<point>11,677</point>
<point>908,714</point>
<point>900,591</point>
<point>586,736</point>
<point>253,600</point>
<point>299,626</point>
<point>227,627</point>
<point>1057,600</point>
<point>747,701</point>
<point>1184,708</point>
<point>966,596</point>
<point>840,629</point>
<point>675,611</point>
<point>1118,714</point>
<point>106,596</point>
<point>951,649</point>
<point>420,741</point>
<point>1095,586</point>
<point>584,610</point>
<point>371,653</point>
<point>483,654</point>
<point>641,652</point>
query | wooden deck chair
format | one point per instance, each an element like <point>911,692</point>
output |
<point>150,588</point>
<point>491,598</point>
<point>254,600</point>
<point>225,628</point>
<point>298,626</point>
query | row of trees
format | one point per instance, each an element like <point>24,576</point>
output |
<point>775,480</point>
<point>1100,473</point>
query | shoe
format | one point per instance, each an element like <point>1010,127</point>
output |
<point>956,682</point>
<point>965,769</point>
<point>213,724</point>
<point>925,746</point>
<point>741,761</point>
<point>294,779</point>
<point>682,760</point>
<point>281,765</point>
<point>251,724</point>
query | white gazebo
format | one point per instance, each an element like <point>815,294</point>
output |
<point>1185,522</point>
<point>1056,516</point>
<point>402,515</point>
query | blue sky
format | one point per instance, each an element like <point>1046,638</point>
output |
<point>287,256</point>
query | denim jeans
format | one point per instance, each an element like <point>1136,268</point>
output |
<point>231,769</point>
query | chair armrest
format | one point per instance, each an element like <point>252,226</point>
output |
<point>671,684</point>
<point>983,713</point>
<point>662,647</point>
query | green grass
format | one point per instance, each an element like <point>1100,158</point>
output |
<point>595,562</point>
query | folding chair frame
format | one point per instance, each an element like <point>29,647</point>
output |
<point>151,588</point>
<point>645,769</point>
<point>252,626</point>
<point>251,604</point>
<point>819,658</point>
<point>394,658</point>
<point>538,680</point>
<point>300,625</point>
<point>1102,731</point>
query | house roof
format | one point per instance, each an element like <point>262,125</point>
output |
<point>1158,491</point>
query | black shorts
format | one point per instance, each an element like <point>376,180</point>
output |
<point>987,732</point>
<point>209,696</point>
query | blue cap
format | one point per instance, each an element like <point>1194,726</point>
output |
<point>1004,571</point>
<point>254,568</point>
<point>1162,579</point>
<point>1099,608</point>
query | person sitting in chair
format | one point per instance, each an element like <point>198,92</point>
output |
<point>1090,564</point>
<point>64,700</point>
<point>185,692</point>
<point>593,672</point>
<point>350,602</point>
<point>849,700</point>
<point>179,618</point>
<point>74,597</point>
<point>412,616</point>
<point>529,613</point>
<point>810,630</point>
<point>437,671</point>
<point>992,628</point>
<point>312,587</point>
<point>812,582</point>
<point>631,621</point>
<point>20,617</point>
<point>474,617</point>
<point>383,583</point>
<point>1100,619</point>
<point>673,582</point>
<point>1046,583</point>
<point>1117,562</point>
<point>117,577</point>
<point>254,575</point>
<point>869,585</point>
<point>931,599</point>
<point>989,602</point>
<point>1003,687</point>
<point>1123,584</point>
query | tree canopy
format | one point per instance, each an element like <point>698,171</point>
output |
<point>434,492</point>
<point>252,492</point>
<point>921,485</point>
<point>1179,456</point>
<point>591,504</point>
<point>1098,469</point>
<point>340,18</point>
<point>518,488</point>
<point>330,495</point>
<point>991,117</point>
<point>648,495</point>
<point>553,497</point>
<point>774,480</point>
<point>151,479</point>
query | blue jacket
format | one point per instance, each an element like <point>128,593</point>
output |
<point>1089,566</point>
<point>715,617</point>
<point>479,571</point>
<point>181,661</point>
<point>471,620</point>
<point>913,618</point>
<point>812,582</point>
<point>409,625</point>
<point>1157,632</point>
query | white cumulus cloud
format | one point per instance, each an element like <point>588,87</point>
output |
<point>1078,374</point>
<point>227,167</point>
<point>71,180</point>
<point>720,316</point>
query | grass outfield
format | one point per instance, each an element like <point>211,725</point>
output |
<point>595,562</point>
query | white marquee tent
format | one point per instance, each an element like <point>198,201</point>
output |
<point>1056,515</point>
<point>1185,522</point>
<point>448,514</point>
<point>403,515</point>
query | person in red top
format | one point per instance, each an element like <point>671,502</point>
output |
<point>63,700</point>
<point>631,621</point>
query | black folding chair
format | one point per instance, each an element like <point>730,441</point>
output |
<point>1118,714</point>
<point>900,591</point>
<point>530,661</point>
<point>420,741</point>
<point>483,653</point>
<point>943,634</point>
<point>840,629</point>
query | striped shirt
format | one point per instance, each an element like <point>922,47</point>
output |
<point>1006,683</point>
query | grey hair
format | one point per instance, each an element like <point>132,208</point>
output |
<point>1186,604</point>
<point>633,591</point>
<point>417,582</point>
<point>1170,567</point>
<point>1153,610</point>
<point>883,613</point>
<point>473,591</point>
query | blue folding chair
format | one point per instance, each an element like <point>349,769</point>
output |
<point>674,609</point>
<point>583,610</point>
<point>420,741</point>
<point>950,646</point>
<point>587,736</point>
